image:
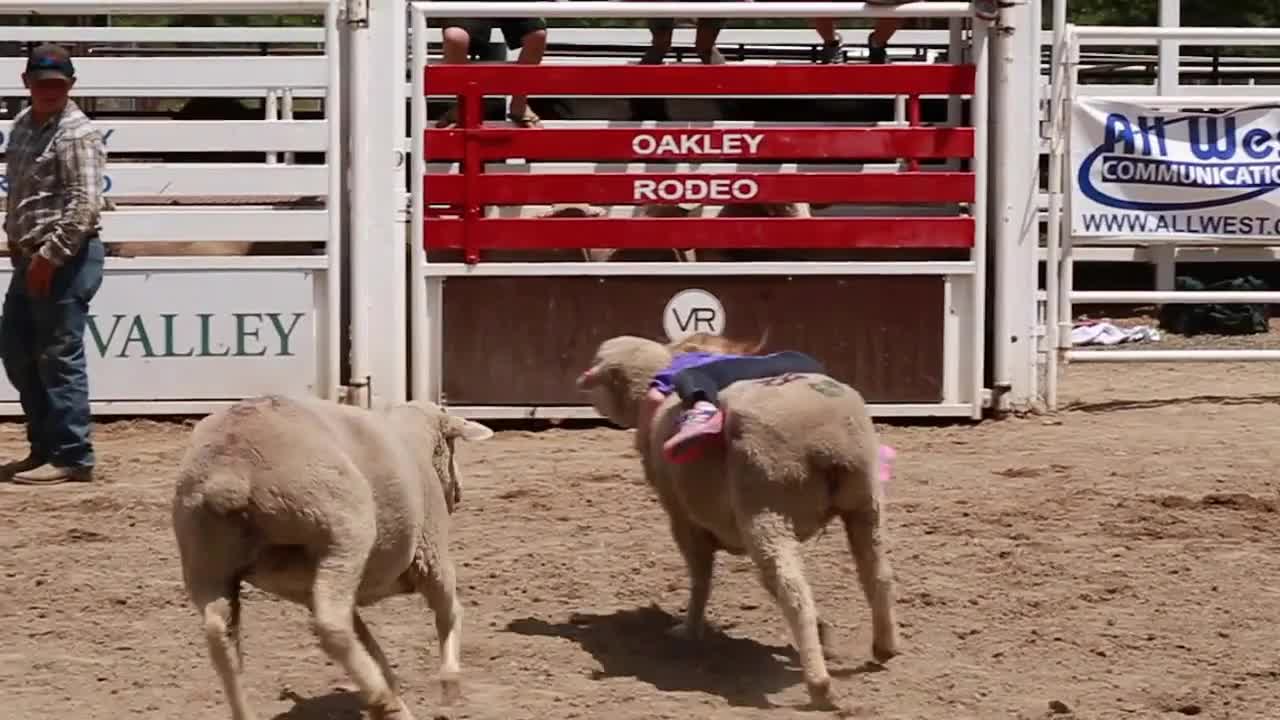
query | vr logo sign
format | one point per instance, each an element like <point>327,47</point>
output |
<point>690,311</point>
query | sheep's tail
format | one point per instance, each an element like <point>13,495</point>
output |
<point>858,471</point>
<point>218,490</point>
<point>210,524</point>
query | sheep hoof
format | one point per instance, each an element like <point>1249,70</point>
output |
<point>820,694</point>
<point>685,631</point>
<point>450,691</point>
<point>394,710</point>
<point>883,654</point>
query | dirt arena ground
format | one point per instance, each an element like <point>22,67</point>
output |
<point>1119,560</point>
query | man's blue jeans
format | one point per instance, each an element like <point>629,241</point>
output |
<point>42,347</point>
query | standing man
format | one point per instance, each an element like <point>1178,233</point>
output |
<point>55,163</point>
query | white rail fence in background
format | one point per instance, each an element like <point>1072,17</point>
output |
<point>1155,103</point>
<point>186,320</point>
<point>184,333</point>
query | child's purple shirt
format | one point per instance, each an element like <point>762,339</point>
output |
<point>684,361</point>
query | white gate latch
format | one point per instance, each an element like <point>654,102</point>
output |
<point>358,12</point>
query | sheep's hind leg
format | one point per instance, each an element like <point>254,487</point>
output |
<point>865,532</point>
<point>699,554</point>
<point>333,608</point>
<point>218,601</point>
<point>776,552</point>
<point>438,584</point>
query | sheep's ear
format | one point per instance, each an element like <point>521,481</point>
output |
<point>592,377</point>
<point>468,429</point>
<point>475,432</point>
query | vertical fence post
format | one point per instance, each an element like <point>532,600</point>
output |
<point>271,112</point>
<point>1066,259</point>
<point>980,110</point>
<point>471,116</point>
<point>337,165</point>
<point>1015,193</point>
<point>378,265</point>
<point>1054,223</point>
<point>1165,254</point>
<point>359,191</point>
<point>418,313</point>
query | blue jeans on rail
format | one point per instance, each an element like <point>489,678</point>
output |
<point>42,347</point>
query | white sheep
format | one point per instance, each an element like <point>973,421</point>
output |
<point>798,451</point>
<point>330,506</point>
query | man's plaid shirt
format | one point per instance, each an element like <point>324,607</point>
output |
<point>55,174</point>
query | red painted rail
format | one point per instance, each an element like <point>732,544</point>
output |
<point>720,233</point>
<point>773,143</point>
<point>714,188</point>
<point>474,144</point>
<point>664,80</point>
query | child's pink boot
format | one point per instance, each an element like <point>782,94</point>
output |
<point>697,425</point>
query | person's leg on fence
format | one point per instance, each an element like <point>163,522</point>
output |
<point>456,36</point>
<point>530,36</point>
<point>660,32</point>
<point>704,43</point>
<point>60,320</point>
<point>882,33</point>
<point>878,40</point>
<point>832,42</point>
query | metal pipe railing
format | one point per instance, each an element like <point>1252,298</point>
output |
<point>593,9</point>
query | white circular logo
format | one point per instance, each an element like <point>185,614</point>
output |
<point>692,311</point>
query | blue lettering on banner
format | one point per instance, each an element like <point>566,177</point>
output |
<point>1164,224</point>
<point>1135,152</point>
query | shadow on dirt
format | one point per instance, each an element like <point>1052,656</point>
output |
<point>338,705</point>
<point>1121,405</point>
<point>632,643</point>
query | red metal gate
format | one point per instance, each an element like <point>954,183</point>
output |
<point>516,337</point>
<point>473,145</point>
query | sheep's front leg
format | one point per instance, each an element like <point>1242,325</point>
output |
<point>825,634</point>
<point>333,602</point>
<point>375,650</point>
<point>776,552</point>
<point>699,552</point>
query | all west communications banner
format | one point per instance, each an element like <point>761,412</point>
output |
<point>1138,172</point>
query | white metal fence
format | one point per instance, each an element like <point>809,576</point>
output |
<point>1064,245</point>
<point>187,319</point>
<point>283,198</point>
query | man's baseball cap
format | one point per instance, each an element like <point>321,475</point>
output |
<point>50,61</point>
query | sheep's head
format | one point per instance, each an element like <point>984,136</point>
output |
<point>442,431</point>
<point>619,376</point>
